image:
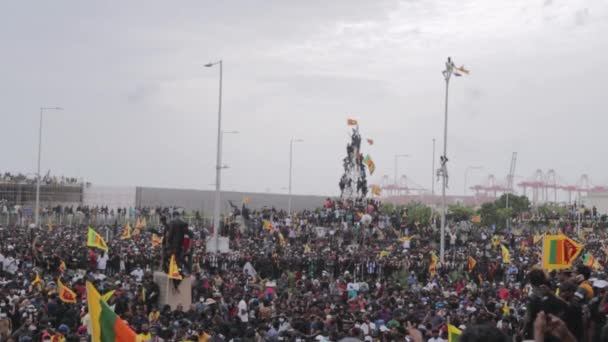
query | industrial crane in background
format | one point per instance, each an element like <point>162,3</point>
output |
<point>510,177</point>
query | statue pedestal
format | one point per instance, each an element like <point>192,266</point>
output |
<point>168,295</point>
<point>222,245</point>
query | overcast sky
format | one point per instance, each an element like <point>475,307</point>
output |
<point>140,108</point>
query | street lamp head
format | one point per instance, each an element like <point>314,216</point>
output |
<point>230,132</point>
<point>297,140</point>
<point>209,65</point>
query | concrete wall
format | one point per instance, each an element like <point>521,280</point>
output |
<point>111,196</point>
<point>203,199</point>
<point>599,200</point>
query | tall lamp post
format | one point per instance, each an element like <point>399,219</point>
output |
<point>218,163</point>
<point>450,69</point>
<point>397,156</point>
<point>290,172</point>
<point>466,175</point>
<point>37,213</point>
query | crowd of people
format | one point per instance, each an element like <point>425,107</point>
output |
<point>46,179</point>
<point>349,269</point>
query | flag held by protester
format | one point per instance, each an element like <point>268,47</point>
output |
<point>352,122</point>
<point>126,233</point>
<point>506,256</point>
<point>472,263</point>
<point>453,333</point>
<point>559,252</point>
<point>433,265</point>
<point>65,293</point>
<point>376,191</point>
<point>173,269</point>
<point>106,325</point>
<point>95,240</point>
<point>156,240</point>
<point>370,164</point>
<point>370,141</point>
<point>37,281</point>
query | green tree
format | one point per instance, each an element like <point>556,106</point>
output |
<point>387,207</point>
<point>488,214</point>
<point>418,212</point>
<point>519,204</point>
<point>459,212</point>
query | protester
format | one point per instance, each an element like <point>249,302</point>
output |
<point>349,269</point>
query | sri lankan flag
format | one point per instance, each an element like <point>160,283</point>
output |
<point>506,257</point>
<point>126,233</point>
<point>267,225</point>
<point>453,333</point>
<point>106,326</point>
<point>588,260</point>
<point>433,265</point>
<point>95,240</point>
<point>376,190</point>
<point>65,293</point>
<point>559,252</point>
<point>37,281</point>
<point>173,269</point>
<point>352,122</point>
<point>472,263</point>
<point>156,241</point>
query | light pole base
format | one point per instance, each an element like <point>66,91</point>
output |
<point>222,245</point>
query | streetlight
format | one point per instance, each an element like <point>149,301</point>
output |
<point>36,215</point>
<point>397,156</point>
<point>466,173</point>
<point>218,163</point>
<point>290,168</point>
<point>443,170</point>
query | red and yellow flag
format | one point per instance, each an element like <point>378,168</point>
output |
<point>65,293</point>
<point>433,265</point>
<point>472,263</point>
<point>156,241</point>
<point>559,252</point>
<point>352,122</point>
<point>173,269</point>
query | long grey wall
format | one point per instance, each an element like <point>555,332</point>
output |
<point>203,199</point>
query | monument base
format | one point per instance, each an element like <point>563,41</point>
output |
<point>222,245</point>
<point>168,295</point>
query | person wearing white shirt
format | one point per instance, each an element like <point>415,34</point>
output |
<point>138,273</point>
<point>102,262</point>
<point>243,311</point>
<point>435,337</point>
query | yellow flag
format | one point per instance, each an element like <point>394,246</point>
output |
<point>505,308</point>
<point>173,269</point>
<point>506,257</point>
<point>126,233</point>
<point>37,280</point>
<point>95,240</point>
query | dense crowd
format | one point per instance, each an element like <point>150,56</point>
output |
<point>46,179</point>
<point>346,270</point>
